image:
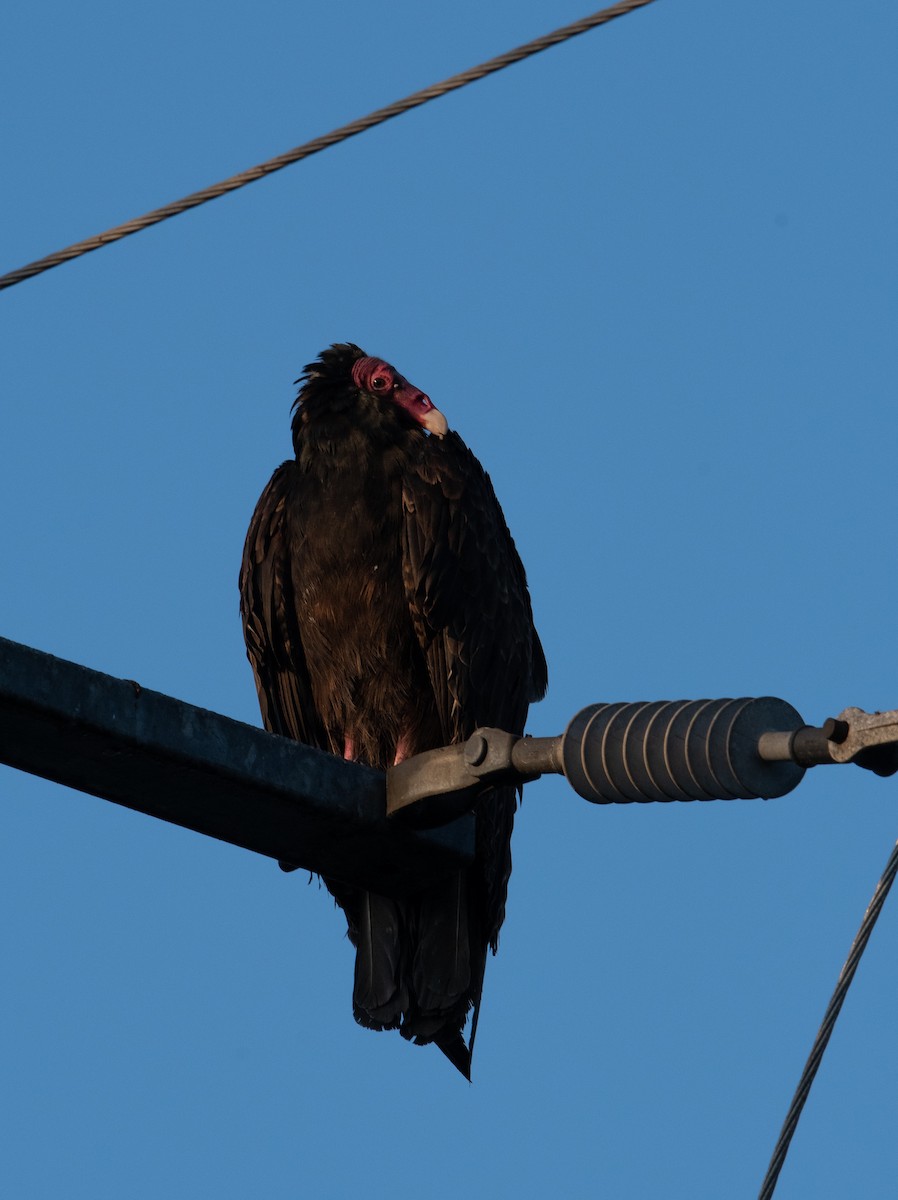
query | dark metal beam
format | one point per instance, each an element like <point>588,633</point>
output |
<point>195,768</point>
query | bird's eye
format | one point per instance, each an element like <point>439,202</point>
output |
<point>379,382</point>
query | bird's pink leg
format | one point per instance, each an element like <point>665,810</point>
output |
<point>402,750</point>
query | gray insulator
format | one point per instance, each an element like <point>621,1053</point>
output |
<point>678,750</point>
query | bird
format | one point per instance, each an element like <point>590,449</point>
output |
<point>386,612</point>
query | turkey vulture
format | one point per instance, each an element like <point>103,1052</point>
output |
<point>386,612</point>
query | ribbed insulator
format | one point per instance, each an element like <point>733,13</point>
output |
<point>678,750</point>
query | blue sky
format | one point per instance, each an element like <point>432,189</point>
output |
<point>649,276</point>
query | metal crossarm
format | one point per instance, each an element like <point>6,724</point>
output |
<point>220,777</point>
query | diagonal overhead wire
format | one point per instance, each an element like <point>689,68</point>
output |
<point>321,143</point>
<point>829,1019</point>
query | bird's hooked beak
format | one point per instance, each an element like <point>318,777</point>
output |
<point>435,422</point>
<point>420,407</point>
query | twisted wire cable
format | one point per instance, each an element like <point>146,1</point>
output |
<point>321,143</point>
<point>825,1031</point>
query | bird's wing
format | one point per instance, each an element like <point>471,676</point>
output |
<point>268,609</point>
<point>467,595</point>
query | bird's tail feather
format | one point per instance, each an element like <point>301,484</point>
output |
<point>379,996</point>
<point>453,1046</point>
<point>419,966</point>
<point>446,970</point>
<point>441,962</point>
<point>476,993</point>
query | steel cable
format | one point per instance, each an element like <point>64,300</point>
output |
<point>824,1032</point>
<point>321,143</point>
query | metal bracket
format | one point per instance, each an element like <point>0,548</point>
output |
<point>442,784</point>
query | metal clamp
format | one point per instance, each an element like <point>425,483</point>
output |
<point>439,785</point>
<point>869,740</point>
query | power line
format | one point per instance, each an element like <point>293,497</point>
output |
<point>824,1032</point>
<point>321,143</point>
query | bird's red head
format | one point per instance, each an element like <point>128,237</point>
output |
<point>378,378</point>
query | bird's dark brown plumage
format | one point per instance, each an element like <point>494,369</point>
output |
<point>386,612</point>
